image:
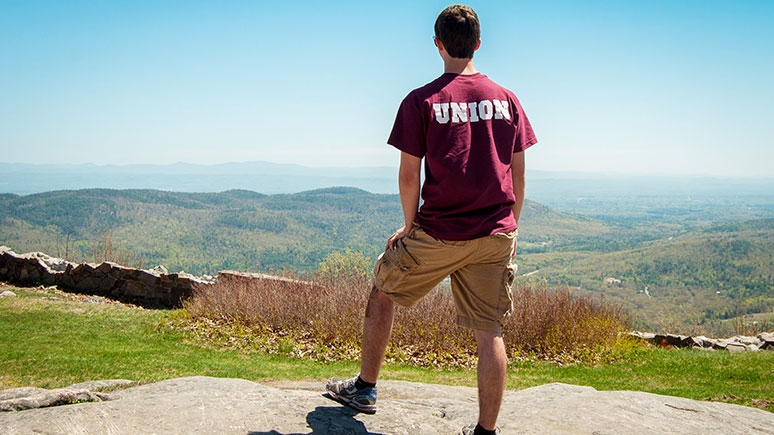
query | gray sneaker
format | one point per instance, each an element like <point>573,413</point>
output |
<point>471,429</point>
<point>344,391</point>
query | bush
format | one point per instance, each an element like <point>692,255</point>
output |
<point>322,319</point>
<point>553,323</point>
<point>318,317</point>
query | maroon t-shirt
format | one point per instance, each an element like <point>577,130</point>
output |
<point>467,129</point>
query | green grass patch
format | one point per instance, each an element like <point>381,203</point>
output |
<point>53,343</point>
<point>743,378</point>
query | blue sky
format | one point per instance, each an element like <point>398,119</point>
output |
<point>657,87</point>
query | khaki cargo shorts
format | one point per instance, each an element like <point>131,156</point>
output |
<point>481,275</point>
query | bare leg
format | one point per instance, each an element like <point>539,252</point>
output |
<point>492,368</point>
<point>376,333</point>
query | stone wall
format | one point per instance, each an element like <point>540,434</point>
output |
<point>154,288</point>
<point>764,341</point>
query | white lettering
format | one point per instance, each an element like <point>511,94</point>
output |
<point>501,109</point>
<point>473,107</point>
<point>485,110</point>
<point>459,112</point>
<point>441,112</point>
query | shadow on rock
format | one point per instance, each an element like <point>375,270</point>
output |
<point>329,420</point>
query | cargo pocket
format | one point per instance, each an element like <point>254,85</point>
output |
<point>510,274</point>
<point>506,295</point>
<point>393,266</point>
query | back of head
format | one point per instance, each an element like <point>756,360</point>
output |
<point>459,30</point>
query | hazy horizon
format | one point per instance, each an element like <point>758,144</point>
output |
<point>555,172</point>
<point>271,178</point>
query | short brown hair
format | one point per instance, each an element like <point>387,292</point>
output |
<point>459,30</point>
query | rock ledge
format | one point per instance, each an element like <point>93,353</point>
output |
<point>202,405</point>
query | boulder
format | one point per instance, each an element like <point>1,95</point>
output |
<point>202,405</point>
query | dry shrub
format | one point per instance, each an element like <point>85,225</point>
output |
<point>105,248</point>
<point>555,324</point>
<point>323,319</point>
<point>285,315</point>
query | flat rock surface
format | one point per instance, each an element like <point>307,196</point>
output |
<point>202,405</point>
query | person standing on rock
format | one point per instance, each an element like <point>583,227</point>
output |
<point>472,134</point>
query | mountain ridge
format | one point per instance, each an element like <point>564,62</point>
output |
<point>712,272</point>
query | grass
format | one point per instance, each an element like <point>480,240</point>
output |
<point>53,343</point>
<point>742,378</point>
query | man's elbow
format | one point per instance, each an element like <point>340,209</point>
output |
<point>519,182</point>
<point>408,179</point>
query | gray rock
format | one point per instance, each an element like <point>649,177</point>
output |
<point>47,398</point>
<point>767,340</point>
<point>692,342</point>
<point>25,398</point>
<point>7,294</point>
<point>159,270</point>
<point>104,385</point>
<point>16,393</point>
<point>648,336</point>
<point>764,341</point>
<point>202,405</point>
<point>747,340</point>
<point>736,347</point>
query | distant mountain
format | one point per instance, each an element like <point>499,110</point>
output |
<point>669,269</point>
<point>236,229</point>
<point>203,232</point>
<point>263,177</point>
<point>600,195</point>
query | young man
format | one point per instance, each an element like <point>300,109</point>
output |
<point>472,134</point>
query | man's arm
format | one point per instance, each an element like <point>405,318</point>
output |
<point>519,183</point>
<point>408,185</point>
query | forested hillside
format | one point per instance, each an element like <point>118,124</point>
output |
<point>702,278</point>
<point>207,232</point>
<point>667,274</point>
<point>200,233</point>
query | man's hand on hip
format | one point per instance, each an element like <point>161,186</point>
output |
<point>402,232</point>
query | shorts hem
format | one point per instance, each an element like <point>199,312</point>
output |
<point>395,297</point>
<point>480,325</point>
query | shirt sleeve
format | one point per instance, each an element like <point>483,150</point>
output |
<point>525,136</point>
<point>410,128</point>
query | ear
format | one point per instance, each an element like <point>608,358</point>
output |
<point>439,44</point>
<point>477,45</point>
